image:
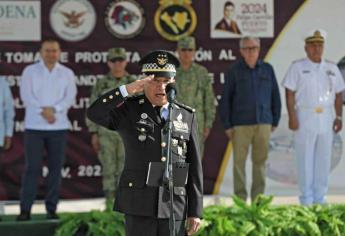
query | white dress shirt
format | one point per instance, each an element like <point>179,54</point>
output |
<point>316,84</point>
<point>43,88</point>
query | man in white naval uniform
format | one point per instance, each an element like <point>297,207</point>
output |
<point>314,102</point>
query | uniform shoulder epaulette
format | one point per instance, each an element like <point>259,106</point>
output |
<point>298,60</point>
<point>191,109</point>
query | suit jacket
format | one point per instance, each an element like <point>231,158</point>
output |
<point>232,27</point>
<point>144,135</point>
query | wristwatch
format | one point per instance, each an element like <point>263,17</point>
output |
<point>339,118</point>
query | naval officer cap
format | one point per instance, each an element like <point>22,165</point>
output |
<point>315,36</point>
<point>159,63</point>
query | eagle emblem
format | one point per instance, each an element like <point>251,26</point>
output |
<point>73,19</point>
<point>162,59</point>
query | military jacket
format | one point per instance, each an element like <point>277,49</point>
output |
<point>144,135</point>
<point>194,88</point>
<point>103,85</point>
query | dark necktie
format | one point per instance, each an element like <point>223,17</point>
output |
<point>158,113</point>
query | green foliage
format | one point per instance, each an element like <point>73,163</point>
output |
<point>258,219</point>
<point>261,218</point>
<point>94,223</point>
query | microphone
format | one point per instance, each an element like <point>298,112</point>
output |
<point>171,92</point>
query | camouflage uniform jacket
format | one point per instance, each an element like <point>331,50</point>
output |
<point>102,86</point>
<point>194,88</point>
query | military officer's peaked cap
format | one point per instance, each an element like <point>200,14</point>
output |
<point>315,36</point>
<point>160,63</point>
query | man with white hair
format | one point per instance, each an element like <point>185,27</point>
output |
<point>250,110</point>
<point>314,102</point>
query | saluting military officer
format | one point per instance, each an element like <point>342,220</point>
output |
<point>107,143</point>
<point>314,103</point>
<point>194,87</point>
<point>131,111</point>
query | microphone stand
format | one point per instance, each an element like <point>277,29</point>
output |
<point>168,177</point>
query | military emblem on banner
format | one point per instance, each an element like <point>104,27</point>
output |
<point>124,18</point>
<point>175,19</point>
<point>72,20</point>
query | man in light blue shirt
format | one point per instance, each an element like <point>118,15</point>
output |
<point>47,90</point>
<point>6,119</point>
<point>6,115</point>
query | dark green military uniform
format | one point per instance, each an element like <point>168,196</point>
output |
<point>111,154</point>
<point>195,89</point>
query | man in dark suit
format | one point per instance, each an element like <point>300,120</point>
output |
<point>144,134</point>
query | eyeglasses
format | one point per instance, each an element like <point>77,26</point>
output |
<point>117,59</point>
<point>187,49</point>
<point>255,48</point>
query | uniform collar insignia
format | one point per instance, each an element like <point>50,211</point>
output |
<point>141,101</point>
<point>177,106</point>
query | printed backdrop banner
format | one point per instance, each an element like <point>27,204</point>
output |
<point>86,29</point>
<point>20,20</point>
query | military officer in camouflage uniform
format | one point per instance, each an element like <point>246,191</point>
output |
<point>194,87</point>
<point>140,112</point>
<point>107,143</point>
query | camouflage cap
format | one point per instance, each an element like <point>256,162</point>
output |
<point>116,53</point>
<point>186,42</point>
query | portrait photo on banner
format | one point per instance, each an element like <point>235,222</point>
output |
<point>233,19</point>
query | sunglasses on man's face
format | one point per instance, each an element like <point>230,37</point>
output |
<point>117,59</point>
<point>187,49</point>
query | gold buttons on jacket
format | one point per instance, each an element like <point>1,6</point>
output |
<point>163,144</point>
<point>110,96</point>
<point>163,159</point>
<point>130,184</point>
<point>117,93</point>
<point>104,100</point>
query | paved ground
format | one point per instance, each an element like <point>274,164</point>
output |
<point>98,203</point>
